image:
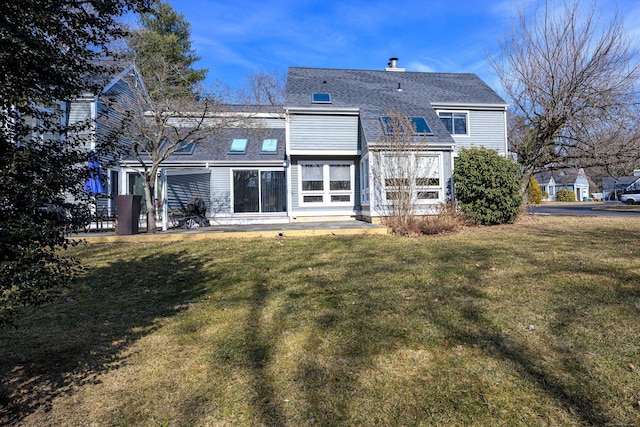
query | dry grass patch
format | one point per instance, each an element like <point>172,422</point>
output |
<point>533,323</point>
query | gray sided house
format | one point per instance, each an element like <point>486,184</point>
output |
<point>335,120</point>
<point>567,179</point>
<point>316,157</point>
<point>239,173</point>
<point>612,188</point>
<point>95,108</point>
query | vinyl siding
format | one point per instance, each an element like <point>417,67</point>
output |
<point>221,190</point>
<point>486,129</point>
<point>80,115</point>
<point>323,134</point>
<point>181,188</point>
<point>108,118</point>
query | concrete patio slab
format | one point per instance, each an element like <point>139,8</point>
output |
<point>295,229</point>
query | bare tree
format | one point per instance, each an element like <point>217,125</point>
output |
<point>263,88</point>
<point>159,122</point>
<point>573,84</point>
<point>401,171</point>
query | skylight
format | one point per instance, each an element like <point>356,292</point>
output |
<point>419,124</point>
<point>269,146</point>
<point>185,148</point>
<point>238,146</point>
<point>321,98</point>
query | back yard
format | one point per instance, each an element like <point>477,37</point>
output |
<point>536,323</point>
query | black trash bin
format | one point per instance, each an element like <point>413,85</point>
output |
<point>128,210</point>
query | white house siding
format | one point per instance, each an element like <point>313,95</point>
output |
<point>323,134</point>
<point>486,129</point>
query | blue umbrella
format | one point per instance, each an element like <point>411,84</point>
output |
<point>93,185</point>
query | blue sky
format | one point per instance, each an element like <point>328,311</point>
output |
<point>237,37</point>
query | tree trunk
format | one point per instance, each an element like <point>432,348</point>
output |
<point>149,191</point>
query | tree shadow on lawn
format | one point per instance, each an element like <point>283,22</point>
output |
<point>350,326</point>
<point>566,379</point>
<point>347,323</point>
<point>69,343</point>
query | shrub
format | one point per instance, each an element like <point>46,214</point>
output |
<point>487,186</point>
<point>565,196</point>
<point>447,219</point>
<point>535,193</point>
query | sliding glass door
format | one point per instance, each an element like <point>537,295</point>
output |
<point>257,191</point>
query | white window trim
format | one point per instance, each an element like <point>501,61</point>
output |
<point>439,188</point>
<point>456,135</point>
<point>326,193</point>
<point>364,181</point>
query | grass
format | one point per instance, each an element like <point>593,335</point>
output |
<point>534,323</point>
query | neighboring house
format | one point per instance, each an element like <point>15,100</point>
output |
<point>239,173</point>
<point>315,158</point>
<point>612,188</point>
<point>95,109</point>
<point>568,179</point>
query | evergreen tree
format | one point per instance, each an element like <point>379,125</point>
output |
<point>163,43</point>
<point>46,56</point>
<point>535,192</point>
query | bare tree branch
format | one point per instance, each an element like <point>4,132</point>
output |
<point>573,83</point>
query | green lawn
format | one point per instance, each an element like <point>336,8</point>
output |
<point>536,323</point>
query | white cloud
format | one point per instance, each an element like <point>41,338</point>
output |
<point>420,66</point>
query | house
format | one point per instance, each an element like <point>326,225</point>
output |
<point>612,188</point>
<point>95,110</point>
<point>335,119</point>
<point>239,173</point>
<point>317,156</point>
<point>567,179</point>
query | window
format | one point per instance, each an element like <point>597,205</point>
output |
<point>414,174</point>
<point>326,183</point>
<point>269,146</point>
<point>238,146</point>
<point>419,124</point>
<point>321,98</point>
<point>364,181</point>
<point>312,179</point>
<point>456,123</point>
<point>185,147</point>
<point>259,191</point>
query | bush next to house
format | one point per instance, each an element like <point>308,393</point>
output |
<point>535,192</point>
<point>487,186</point>
<point>565,196</point>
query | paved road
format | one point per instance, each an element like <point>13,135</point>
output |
<point>578,209</point>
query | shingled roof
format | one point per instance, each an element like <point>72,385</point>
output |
<point>376,93</point>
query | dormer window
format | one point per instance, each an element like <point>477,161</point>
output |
<point>321,98</point>
<point>238,146</point>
